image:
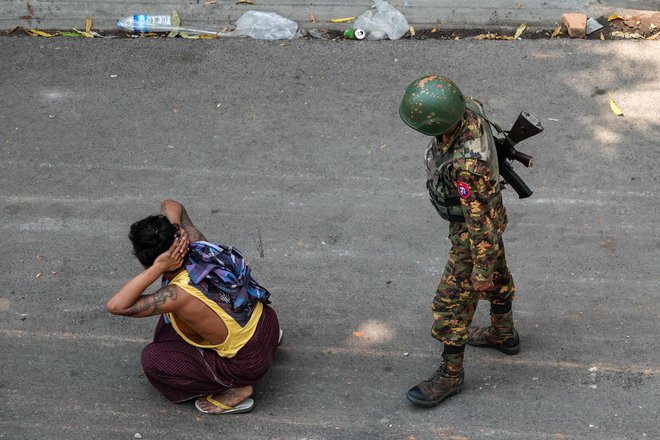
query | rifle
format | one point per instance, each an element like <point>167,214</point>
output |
<point>526,126</point>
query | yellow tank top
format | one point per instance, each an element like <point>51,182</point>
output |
<point>237,336</point>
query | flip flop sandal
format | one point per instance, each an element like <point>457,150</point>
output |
<point>243,407</point>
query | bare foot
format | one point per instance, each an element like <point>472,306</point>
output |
<point>231,397</point>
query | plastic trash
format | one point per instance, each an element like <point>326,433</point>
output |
<point>265,26</point>
<point>155,23</point>
<point>146,23</point>
<point>382,19</point>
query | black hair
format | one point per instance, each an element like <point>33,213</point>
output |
<point>151,237</point>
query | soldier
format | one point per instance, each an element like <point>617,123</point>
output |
<point>464,186</point>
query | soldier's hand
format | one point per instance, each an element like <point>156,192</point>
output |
<point>482,286</point>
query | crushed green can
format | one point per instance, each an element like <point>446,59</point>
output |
<point>355,34</point>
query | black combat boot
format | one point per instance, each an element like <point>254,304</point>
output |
<point>500,335</point>
<point>445,382</point>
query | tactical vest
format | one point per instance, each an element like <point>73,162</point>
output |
<point>441,181</point>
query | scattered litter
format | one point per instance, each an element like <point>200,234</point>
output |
<point>264,26</point>
<point>491,36</point>
<point>319,34</point>
<point>41,257</point>
<point>592,369</point>
<point>137,435</point>
<point>247,2</point>
<point>614,17</point>
<point>633,22</point>
<point>412,31</point>
<point>553,119</point>
<point>88,24</point>
<point>355,34</point>
<point>381,19</point>
<point>615,108</point>
<point>520,30</point>
<point>341,20</point>
<point>113,76</point>
<point>628,35</point>
<point>38,275</point>
<point>51,116</point>
<point>38,33</point>
<point>312,17</point>
<point>535,378</point>
<point>176,23</point>
<point>406,354</point>
<point>407,4</point>
<point>593,26</point>
<point>157,23</point>
<point>593,386</point>
<point>556,32</point>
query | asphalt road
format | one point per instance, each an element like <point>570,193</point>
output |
<point>295,154</point>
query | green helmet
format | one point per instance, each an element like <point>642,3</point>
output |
<point>432,105</point>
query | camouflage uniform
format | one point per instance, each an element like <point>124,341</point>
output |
<point>467,168</point>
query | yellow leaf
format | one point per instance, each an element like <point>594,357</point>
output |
<point>247,2</point>
<point>312,17</point>
<point>208,36</point>
<point>614,17</point>
<point>342,20</point>
<point>434,30</point>
<point>412,31</point>
<point>615,108</point>
<point>520,30</point>
<point>176,22</point>
<point>556,32</point>
<point>37,33</point>
<point>88,24</point>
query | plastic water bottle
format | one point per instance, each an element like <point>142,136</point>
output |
<point>146,23</point>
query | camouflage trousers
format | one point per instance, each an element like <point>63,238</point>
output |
<point>455,301</point>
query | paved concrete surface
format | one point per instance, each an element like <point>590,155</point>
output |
<point>300,144</point>
<point>212,15</point>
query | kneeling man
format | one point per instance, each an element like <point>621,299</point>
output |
<point>216,336</point>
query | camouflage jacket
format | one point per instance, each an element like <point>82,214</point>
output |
<point>474,177</point>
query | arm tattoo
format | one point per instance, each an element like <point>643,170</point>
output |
<point>190,229</point>
<point>152,303</point>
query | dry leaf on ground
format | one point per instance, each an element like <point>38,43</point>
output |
<point>615,108</point>
<point>38,33</point>
<point>342,20</point>
<point>520,30</point>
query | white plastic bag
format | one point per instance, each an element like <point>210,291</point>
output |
<point>265,26</point>
<point>384,18</point>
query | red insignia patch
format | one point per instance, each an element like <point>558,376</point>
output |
<point>463,190</point>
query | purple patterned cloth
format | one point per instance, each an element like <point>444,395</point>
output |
<point>221,274</point>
